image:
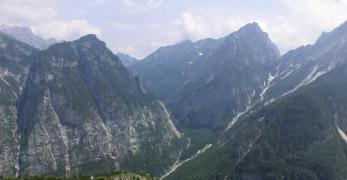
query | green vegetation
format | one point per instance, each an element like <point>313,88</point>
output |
<point>121,175</point>
<point>198,140</point>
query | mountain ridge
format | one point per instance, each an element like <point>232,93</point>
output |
<point>207,56</point>
<point>25,34</point>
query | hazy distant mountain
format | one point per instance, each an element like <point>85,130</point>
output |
<point>126,59</point>
<point>25,34</point>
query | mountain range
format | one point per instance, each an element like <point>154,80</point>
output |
<point>270,110</point>
<point>242,110</point>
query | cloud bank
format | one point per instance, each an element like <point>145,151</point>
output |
<point>139,27</point>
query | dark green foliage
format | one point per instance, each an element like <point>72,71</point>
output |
<point>198,139</point>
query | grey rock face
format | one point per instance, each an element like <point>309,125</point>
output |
<point>75,109</point>
<point>14,60</point>
<point>82,112</point>
<point>25,34</point>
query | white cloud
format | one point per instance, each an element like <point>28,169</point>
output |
<point>304,21</point>
<point>128,49</point>
<point>294,23</point>
<point>198,25</point>
<point>45,18</point>
<point>65,29</point>
<point>324,14</point>
<point>24,11</point>
<point>122,25</point>
<point>140,5</point>
<point>284,33</point>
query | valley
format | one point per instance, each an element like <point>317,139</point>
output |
<point>114,104</point>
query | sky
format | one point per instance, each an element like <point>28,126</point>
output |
<point>139,27</point>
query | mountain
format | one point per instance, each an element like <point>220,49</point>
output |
<point>25,34</point>
<point>126,59</point>
<point>207,82</point>
<point>302,66</point>
<point>299,129</point>
<point>14,64</point>
<point>300,136</point>
<point>74,109</point>
<point>231,78</point>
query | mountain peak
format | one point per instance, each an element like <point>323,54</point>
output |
<point>252,33</point>
<point>89,37</point>
<point>90,40</point>
<point>251,28</point>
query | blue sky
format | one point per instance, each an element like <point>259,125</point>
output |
<point>138,27</point>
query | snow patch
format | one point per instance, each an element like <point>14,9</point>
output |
<point>2,75</point>
<point>236,118</point>
<point>342,134</point>
<point>188,145</point>
<point>312,76</point>
<point>266,86</point>
<point>289,72</point>
<point>238,115</point>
